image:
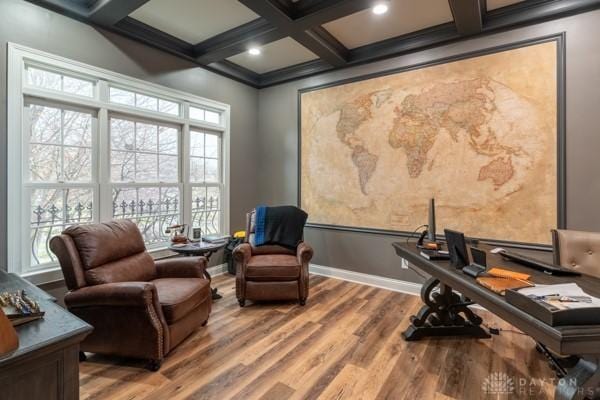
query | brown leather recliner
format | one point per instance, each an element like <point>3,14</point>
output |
<point>270,272</point>
<point>139,307</point>
<point>577,250</point>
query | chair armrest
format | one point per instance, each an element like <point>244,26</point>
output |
<point>304,252</point>
<point>242,253</point>
<point>181,267</point>
<point>113,294</point>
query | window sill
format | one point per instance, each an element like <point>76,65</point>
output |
<point>48,275</point>
<point>54,273</point>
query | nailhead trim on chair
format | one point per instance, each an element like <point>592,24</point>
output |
<point>159,328</point>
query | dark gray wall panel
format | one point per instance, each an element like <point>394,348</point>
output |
<point>32,26</point>
<point>373,254</point>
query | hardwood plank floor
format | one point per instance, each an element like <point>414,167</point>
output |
<point>344,344</point>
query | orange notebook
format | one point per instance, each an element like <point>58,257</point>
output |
<point>501,285</point>
<point>506,273</point>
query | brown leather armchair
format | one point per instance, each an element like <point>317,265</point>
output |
<point>139,307</point>
<point>270,272</point>
<point>577,250</point>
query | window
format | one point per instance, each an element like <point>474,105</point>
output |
<point>55,81</point>
<point>148,153</point>
<point>89,145</point>
<point>202,114</point>
<point>205,178</point>
<point>59,176</point>
<point>143,101</point>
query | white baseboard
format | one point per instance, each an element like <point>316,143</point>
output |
<point>395,285</point>
<point>217,269</point>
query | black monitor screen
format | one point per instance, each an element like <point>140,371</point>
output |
<point>457,248</point>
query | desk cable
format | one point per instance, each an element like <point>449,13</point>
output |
<point>496,331</point>
<point>411,236</point>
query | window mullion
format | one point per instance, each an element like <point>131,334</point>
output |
<point>105,211</point>
<point>185,160</point>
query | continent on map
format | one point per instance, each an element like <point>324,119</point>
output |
<point>352,115</point>
<point>457,106</point>
<point>365,162</point>
<point>416,135</point>
<point>499,170</point>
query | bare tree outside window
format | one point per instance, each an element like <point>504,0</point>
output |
<point>60,155</point>
<point>143,152</point>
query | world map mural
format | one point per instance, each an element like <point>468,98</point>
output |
<point>479,135</point>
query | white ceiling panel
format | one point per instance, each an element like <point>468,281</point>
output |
<point>275,55</point>
<point>404,16</point>
<point>493,4</point>
<point>193,20</point>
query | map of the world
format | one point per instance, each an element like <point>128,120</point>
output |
<point>479,135</point>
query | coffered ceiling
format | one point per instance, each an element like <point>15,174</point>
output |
<point>404,16</point>
<point>292,39</point>
<point>193,20</point>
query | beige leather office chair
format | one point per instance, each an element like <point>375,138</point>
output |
<point>577,250</point>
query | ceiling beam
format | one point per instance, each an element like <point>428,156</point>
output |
<point>109,12</point>
<point>237,40</point>
<point>306,15</point>
<point>312,40</point>
<point>135,29</point>
<point>238,72</point>
<point>468,16</point>
<point>535,11</point>
<point>313,13</point>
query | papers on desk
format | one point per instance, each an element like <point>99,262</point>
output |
<point>544,303</point>
<point>548,294</point>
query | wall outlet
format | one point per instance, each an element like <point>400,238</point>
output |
<point>404,264</point>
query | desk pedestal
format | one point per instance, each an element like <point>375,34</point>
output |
<point>581,382</point>
<point>441,316</point>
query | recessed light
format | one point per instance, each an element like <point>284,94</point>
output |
<point>380,8</point>
<point>254,51</point>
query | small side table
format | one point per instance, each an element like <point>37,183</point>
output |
<point>201,249</point>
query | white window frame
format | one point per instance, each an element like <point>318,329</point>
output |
<point>19,57</point>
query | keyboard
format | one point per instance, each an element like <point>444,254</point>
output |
<point>551,269</point>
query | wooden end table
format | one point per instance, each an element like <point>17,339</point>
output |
<point>205,249</point>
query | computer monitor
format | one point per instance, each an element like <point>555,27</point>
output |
<point>457,248</point>
<point>431,222</point>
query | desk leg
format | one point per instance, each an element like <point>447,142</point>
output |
<point>441,315</point>
<point>581,382</point>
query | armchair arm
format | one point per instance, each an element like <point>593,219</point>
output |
<point>181,267</point>
<point>242,253</point>
<point>113,294</point>
<point>241,256</point>
<point>305,253</point>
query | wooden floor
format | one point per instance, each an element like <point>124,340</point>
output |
<point>344,344</point>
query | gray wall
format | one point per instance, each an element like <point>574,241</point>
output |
<point>32,26</point>
<point>373,254</point>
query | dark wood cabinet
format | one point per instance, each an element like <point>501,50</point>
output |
<point>46,364</point>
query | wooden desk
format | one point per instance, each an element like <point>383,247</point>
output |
<point>447,314</point>
<point>46,364</point>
